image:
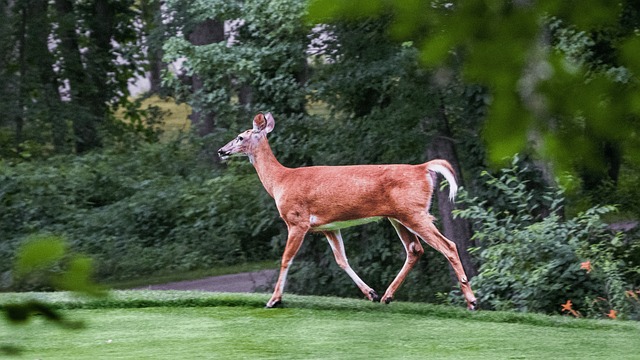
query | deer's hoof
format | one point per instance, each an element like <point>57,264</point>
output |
<point>473,306</point>
<point>273,304</point>
<point>388,299</point>
<point>373,296</point>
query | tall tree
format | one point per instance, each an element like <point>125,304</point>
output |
<point>457,229</point>
<point>210,31</point>
<point>197,28</point>
<point>155,34</point>
<point>534,93</point>
<point>99,54</point>
<point>43,63</point>
<point>66,62</point>
<point>72,70</point>
<point>7,79</point>
<point>28,69</point>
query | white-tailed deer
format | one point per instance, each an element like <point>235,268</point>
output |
<point>328,198</point>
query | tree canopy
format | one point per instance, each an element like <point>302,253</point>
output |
<point>562,82</point>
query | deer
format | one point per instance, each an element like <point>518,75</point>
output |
<point>327,199</point>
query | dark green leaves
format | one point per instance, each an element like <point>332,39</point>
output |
<point>20,313</point>
<point>533,263</point>
<point>586,94</point>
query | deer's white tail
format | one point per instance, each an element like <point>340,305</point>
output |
<point>444,168</point>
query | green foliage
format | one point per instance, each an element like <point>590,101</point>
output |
<point>534,263</point>
<point>377,95</point>
<point>570,97</point>
<point>65,71</point>
<point>268,56</point>
<point>156,209</point>
<point>263,69</point>
<point>138,124</point>
<point>46,261</point>
<point>37,254</point>
<point>41,260</point>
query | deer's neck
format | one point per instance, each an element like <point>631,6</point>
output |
<point>267,166</point>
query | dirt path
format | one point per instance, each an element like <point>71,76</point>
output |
<point>262,280</point>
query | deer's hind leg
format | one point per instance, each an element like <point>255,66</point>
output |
<point>337,246</point>
<point>414,251</point>
<point>422,225</point>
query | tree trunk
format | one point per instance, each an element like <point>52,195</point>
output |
<point>457,230</point>
<point>208,32</point>
<point>604,167</point>
<point>22,59</point>
<point>84,127</point>
<point>155,71</point>
<point>154,29</point>
<point>43,61</point>
<point>36,91</point>
<point>99,64</point>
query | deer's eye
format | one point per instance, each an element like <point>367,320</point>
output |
<point>240,138</point>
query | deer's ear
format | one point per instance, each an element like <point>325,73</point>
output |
<point>271,123</point>
<point>259,122</point>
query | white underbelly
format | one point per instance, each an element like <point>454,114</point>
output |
<point>342,224</point>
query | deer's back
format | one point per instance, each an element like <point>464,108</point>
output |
<point>332,193</point>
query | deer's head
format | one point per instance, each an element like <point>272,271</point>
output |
<point>246,142</point>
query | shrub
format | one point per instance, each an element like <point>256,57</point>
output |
<point>534,263</point>
<point>157,208</point>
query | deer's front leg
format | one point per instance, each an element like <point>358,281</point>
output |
<point>294,242</point>
<point>337,246</point>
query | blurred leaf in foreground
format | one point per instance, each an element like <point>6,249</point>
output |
<point>47,259</point>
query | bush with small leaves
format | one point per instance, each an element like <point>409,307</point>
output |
<point>534,263</point>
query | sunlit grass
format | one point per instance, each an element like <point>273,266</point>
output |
<point>177,119</point>
<point>318,108</point>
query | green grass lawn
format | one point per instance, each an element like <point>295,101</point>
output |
<point>192,325</point>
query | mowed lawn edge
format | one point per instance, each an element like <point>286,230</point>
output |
<point>127,299</point>
<point>198,325</point>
